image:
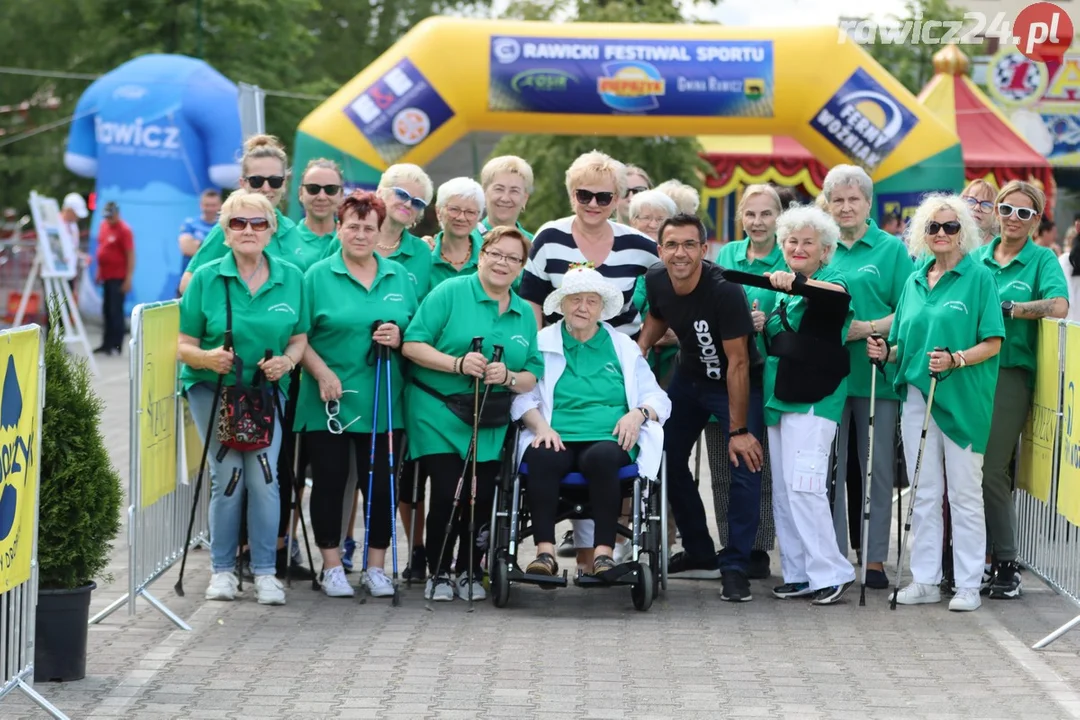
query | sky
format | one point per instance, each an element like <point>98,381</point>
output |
<point>773,13</point>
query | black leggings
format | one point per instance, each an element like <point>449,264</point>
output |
<point>599,462</point>
<point>445,470</point>
<point>329,457</point>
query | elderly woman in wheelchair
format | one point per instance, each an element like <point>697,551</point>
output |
<point>595,418</point>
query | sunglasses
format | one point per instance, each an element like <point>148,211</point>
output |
<point>951,228</point>
<point>603,199</point>
<point>416,203</point>
<point>313,188</point>
<point>1022,213</point>
<point>631,192</point>
<point>984,205</point>
<point>256,181</point>
<point>257,224</point>
<point>333,407</point>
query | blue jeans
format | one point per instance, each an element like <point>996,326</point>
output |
<point>693,402</point>
<point>253,473</point>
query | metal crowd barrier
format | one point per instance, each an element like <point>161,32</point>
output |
<point>1048,470</point>
<point>20,428</point>
<point>161,488</point>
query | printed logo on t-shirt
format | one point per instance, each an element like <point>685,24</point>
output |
<point>413,278</point>
<point>393,297</point>
<point>710,358</point>
<point>281,307</point>
<point>956,305</point>
<point>610,367</point>
<point>870,269</point>
<point>520,340</point>
<point>1018,284</point>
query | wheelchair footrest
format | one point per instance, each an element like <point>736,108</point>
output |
<point>517,575</point>
<point>625,574</point>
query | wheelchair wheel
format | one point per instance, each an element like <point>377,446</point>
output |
<point>642,592</point>
<point>500,582</point>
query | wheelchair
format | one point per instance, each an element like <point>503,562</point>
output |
<point>646,572</point>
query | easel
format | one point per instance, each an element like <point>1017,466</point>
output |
<point>57,264</point>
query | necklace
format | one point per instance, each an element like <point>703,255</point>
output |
<point>455,263</point>
<point>258,267</point>
<point>392,246</point>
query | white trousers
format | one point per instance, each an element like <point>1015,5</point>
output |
<point>799,450</point>
<point>964,469</point>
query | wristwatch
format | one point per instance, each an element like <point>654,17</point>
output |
<point>645,414</point>
<point>1007,308</point>
<point>512,379</point>
<point>739,431</point>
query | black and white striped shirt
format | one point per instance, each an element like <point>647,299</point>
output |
<point>554,250</point>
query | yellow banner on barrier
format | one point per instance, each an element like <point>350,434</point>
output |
<point>1069,467</point>
<point>157,402</point>
<point>20,379</point>
<point>1037,442</point>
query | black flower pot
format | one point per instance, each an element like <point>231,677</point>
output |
<point>62,625</point>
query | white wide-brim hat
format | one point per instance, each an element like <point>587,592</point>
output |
<point>585,280</point>
<point>77,204</point>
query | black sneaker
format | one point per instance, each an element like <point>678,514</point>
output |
<point>297,572</point>
<point>566,547</point>
<point>682,566</point>
<point>830,595</point>
<point>736,586</point>
<point>1007,584</point>
<point>877,579</point>
<point>792,590</point>
<point>758,569</point>
<point>419,562</point>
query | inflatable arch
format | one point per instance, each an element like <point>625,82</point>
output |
<point>449,76</point>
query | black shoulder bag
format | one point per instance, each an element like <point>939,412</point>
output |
<point>246,417</point>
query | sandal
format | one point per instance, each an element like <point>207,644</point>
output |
<point>602,563</point>
<point>543,564</point>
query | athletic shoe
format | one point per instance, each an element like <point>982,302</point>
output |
<point>758,569</point>
<point>1007,584</point>
<point>877,579</point>
<point>243,563</point>
<point>965,600</point>
<point>347,550</point>
<point>222,586</point>
<point>334,583</point>
<point>830,595</point>
<point>298,572</point>
<point>736,586</point>
<point>566,547</point>
<point>297,557</point>
<point>683,567</point>
<point>417,567</point>
<point>377,583</point>
<point>623,551</point>
<point>984,584</point>
<point>462,587</point>
<point>269,590</point>
<point>918,594</point>
<point>792,590</point>
<point>440,589</point>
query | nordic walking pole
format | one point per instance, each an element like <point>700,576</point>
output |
<point>386,353</point>
<point>875,365</point>
<point>915,481</point>
<point>371,455</point>
<point>412,518</point>
<point>496,356</point>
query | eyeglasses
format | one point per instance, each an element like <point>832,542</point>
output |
<point>976,204</point>
<point>672,246</point>
<point>333,407</point>
<point>1023,214</point>
<point>404,196</point>
<point>256,181</point>
<point>631,192</point>
<point>498,257</point>
<point>603,199</point>
<point>454,212</point>
<point>257,224</point>
<point>314,188</point>
<point>951,227</point>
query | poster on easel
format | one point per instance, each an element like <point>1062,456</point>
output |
<point>57,248</point>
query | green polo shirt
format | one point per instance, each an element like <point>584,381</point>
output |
<point>1034,274</point>
<point>312,247</point>
<point>959,312</point>
<point>831,407</point>
<point>285,243</point>
<point>733,256</point>
<point>265,320</point>
<point>876,266</point>
<point>442,270</point>
<point>450,316</point>
<point>590,396</point>
<point>342,313</point>
<point>412,253</point>
<point>485,225</point>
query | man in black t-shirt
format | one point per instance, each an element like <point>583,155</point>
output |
<point>717,361</point>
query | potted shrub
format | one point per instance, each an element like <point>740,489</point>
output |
<point>79,512</point>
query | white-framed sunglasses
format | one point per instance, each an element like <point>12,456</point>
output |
<point>333,407</point>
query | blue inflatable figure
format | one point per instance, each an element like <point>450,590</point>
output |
<point>155,132</point>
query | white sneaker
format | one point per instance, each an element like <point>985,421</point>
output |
<point>377,583</point>
<point>624,550</point>
<point>440,589</point>
<point>965,600</point>
<point>334,583</point>
<point>918,594</point>
<point>478,591</point>
<point>269,590</point>
<point>222,586</point>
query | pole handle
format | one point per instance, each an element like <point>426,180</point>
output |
<point>879,364</point>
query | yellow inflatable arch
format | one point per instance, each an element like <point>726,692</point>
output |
<point>450,76</point>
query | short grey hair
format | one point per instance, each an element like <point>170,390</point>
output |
<point>917,236</point>
<point>460,187</point>
<point>798,217</point>
<point>652,199</point>
<point>844,175</point>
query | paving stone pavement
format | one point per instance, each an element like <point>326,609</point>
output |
<point>568,653</point>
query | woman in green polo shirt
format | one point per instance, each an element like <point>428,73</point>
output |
<point>268,315</point>
<point>437,342</point>
<point>507,182</point>
<point>321,194</point>
<point>801,433</point>
<point>264,168</point>
<point>1031,286</point>
<point>456,249</point>
<point>949,302</point>
<point>355,300</point>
